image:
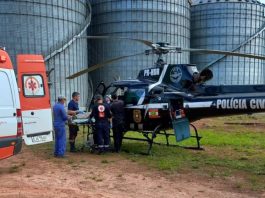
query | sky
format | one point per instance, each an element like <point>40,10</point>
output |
<point>262,1</point>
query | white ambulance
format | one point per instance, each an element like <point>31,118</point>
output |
<point>25,109</point>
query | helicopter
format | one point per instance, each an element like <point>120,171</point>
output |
<point>172,96</point>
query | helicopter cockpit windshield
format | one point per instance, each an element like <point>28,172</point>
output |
<point>134,96</point>
<point>130,95</point>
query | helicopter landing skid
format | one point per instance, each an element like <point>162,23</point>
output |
<point>150,140</point>
<point>197,137</point>
<point>151,135</point>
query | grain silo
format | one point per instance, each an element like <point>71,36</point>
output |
<point>157,21</point>
<point>232,25</point>
<point>48,27</point>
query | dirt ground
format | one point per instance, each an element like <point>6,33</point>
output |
<point>85,175</point>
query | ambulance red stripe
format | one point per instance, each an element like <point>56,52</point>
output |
<point>5,137</point>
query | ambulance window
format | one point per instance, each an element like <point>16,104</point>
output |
<point>6,99</point>
<point>33,86</point>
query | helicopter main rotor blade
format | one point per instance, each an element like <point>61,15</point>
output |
<point>220,52</point>
<point>166,46</point>
<point>145,42</point>
<point>97,66</point>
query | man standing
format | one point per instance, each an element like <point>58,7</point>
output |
<point>101,113</point>
<point>73,109</point>
<point>60,117</point>
<point>117,109</point>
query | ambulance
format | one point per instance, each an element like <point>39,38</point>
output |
<point>25,109</point>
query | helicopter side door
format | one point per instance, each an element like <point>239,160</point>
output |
<point>100,90</point>
<point>180,123</point>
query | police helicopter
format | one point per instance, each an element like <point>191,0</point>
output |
<point>171,96</point>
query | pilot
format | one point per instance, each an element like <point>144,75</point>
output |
<point>60,117</point>
<point>117,110</point>
<point>101,114</point>
<point>73,109</point>
<point>204,76</point>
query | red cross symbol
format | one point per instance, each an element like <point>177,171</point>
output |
<point>32,85</point>
<point>101,108</point>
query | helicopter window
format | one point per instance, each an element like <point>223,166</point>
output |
<point>120,93</point>
<point>111,90</point>
<point>156,91</point>
<point>116,90</point>
<point>156,96</point>
<point>133,96</point>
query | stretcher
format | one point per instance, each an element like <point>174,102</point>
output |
<point>88,133</point>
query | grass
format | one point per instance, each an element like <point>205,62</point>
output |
<point>231,151</point>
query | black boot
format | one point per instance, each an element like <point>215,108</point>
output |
<point>72,147</point>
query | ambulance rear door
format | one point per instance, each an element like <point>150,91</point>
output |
<point>34,99</point>
<point>10,118</point>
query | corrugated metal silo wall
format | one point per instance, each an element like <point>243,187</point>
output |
<point>41,27</point>
<point>231,25</point>
<point>157,21</point>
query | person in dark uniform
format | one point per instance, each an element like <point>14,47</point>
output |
<point>73,109</point>
<point>108,101</point>
<point>117,110</point>
<point>101,114</point>
<point>60,117</point>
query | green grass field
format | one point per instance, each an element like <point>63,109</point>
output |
<point>230,151</point>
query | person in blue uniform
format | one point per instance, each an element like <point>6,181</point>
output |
<point>73,109</point>
<point>101,114</point>
<point>60,117</point>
